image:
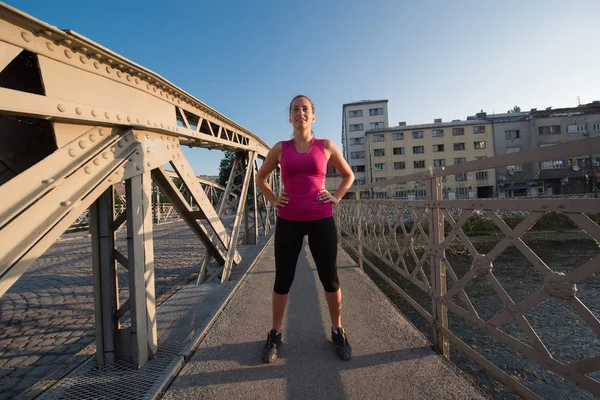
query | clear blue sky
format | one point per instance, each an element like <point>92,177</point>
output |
<point>431,59</point>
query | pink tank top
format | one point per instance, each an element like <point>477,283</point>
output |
<point>303,175</point>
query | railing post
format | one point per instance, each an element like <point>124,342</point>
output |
<point>438,268</point>
<point>359,230</point>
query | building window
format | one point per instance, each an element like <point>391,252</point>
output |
<point>380,179</point>
<point>358,182</point>
<point>401,194</point>
<point>376,125</point>
<point>398,151</point>
<point>458,131</point>
<point>437,133</point>
<point>355,113</point>
<point>379,152</point>
<point>418,149</point>
<point>549,130</point>
<point>479,129</point>
<point>514,134</point>
<point>438,147</point>
<point>479,144</point>
<point>461,177</point>
<point>552,164</point>
<point>399,165</point>
<point>398,136</point>
<point>439,163</point>
<point>420,193</point>
<point>358,168</point>
<point>379,138</point>
<point>381,195</point>
<point>597,127</point>
<point>375,111</point>
<point>515,167</point>
<point>577,128</point>
<point>460,160</point>
<point>357,154</point>
<point>481,175</point>
<point>419,164</point>
<point>380,167</point>
<point>462,192</point>
<point>356,127</point>
<point>360,140</point>
<point>459,146</point>
<point>417,135</point>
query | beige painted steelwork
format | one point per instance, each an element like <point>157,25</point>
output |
<point>102,120</point>
<point>379,228</point>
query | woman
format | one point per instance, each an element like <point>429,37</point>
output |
<point>305,207</point>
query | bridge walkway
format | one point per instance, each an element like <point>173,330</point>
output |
<point>391,358</point>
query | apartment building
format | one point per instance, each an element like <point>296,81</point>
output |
<point>357,118</point>
<point>407,149</point>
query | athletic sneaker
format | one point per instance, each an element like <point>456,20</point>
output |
<point>342,347</point>
<point>269,352</point>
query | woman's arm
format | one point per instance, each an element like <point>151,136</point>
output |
<point>270,163</point>
<point>338,161</point>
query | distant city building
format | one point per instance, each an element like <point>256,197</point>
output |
<point>357,118</point>
<point>408,149</point>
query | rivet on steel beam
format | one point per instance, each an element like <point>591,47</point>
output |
<point>101,132</point>
<point>137,167</point>
<point>128,118</point>
<point>137,152</point>
<point>65,203</point>
<point>98,56</point>
<point>148,149</point>
<point>161,92</point>
<point>88,170</point>
<point>78,111</point>
<point>105,155</point>
<point>61,108</point>
<point>47,181</point>
<point>83,59</point>
<point>113,149</point>
<point>83,49</point>
<point>155,125</point>
<point>119,117</point>
<point>110,61</point>
<point>26,36</point>
<point>147,136</point>
<point>47,33</point>
<point>154,89</point>
<point>137,81</point>
<point>108,71</point>
<point>92,137</point>
<point>82,144</point>
<point>148,86</point>
<point>162,138</point>
<point>168,146</point>
<point>128,77</point>
<point>137,136</point>
<point>50,46</point>
<point>72,152</point>
<point>162,125</point>
<point>120,144</point>
<point>137,120</point>
<point>131,160</point>
<point>126,138</point>
<point>148,163</point>
<point>94,113</point>
<point>69,53</point>
<point>67,41</point>
<point>96,65</point>
<point>119,74</point>
<point>110,180</point>
<point>107,115</point>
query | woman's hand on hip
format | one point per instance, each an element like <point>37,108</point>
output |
<point>282,200</point>
<point>327,197</point>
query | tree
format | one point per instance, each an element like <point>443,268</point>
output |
<point>225,167</point>
<point>515,109</point>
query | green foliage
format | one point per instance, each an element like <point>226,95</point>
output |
<point>225,167</point>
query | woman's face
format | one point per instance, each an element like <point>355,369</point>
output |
<point>301,115</point>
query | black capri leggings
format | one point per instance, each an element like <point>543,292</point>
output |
<point>322,240</point>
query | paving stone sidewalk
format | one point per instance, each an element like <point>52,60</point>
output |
<point>47,316</point>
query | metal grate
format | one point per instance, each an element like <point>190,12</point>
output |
<point>183,319</point>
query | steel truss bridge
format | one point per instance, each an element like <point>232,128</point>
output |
<point>79,119</point>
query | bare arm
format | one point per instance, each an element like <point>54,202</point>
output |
<point>338,161</point>
<point>270,163</point>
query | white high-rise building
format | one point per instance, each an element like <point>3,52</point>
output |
<point>357,118</point>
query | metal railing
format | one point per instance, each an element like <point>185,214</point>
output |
<point>406,243</point>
